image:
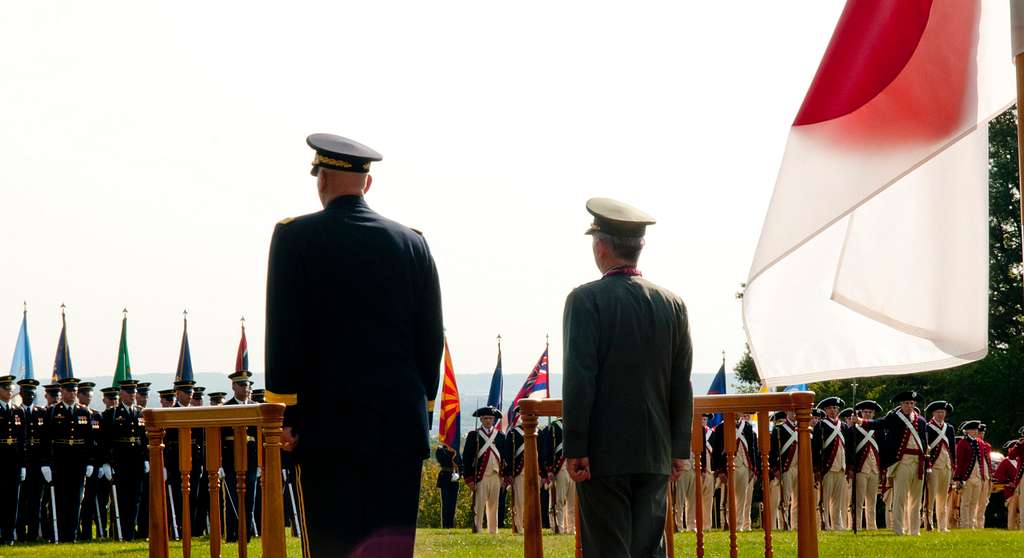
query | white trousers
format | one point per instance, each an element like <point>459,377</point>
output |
<point>487,492</point>
<point>565,502</point>
<point>867,497</point>
<point>832,486</point>
<point>906,497</point>
<point>969,503</point>
<point>938,493</point>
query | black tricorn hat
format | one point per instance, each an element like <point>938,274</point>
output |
<point>1010,443</point>
<point>831,402</point>
<point>938,406</point>
<point>342,154</point>
<point>487,412</point>
<point>907,396</point>
<point>970,425</point>
<point>778,415</point>
<point>817,413</point>
<point>847,412</point>
<point>868,404</point>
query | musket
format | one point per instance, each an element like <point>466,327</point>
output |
<point>170,503</point>
<point>926,508</point>
<point>99,519</point>
<point>117,511</point>
<point>53,508</point>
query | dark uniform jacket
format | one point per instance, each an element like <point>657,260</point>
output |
<point>515,451</point>
<point>35,418</point>
<point>69,437</point>
<point>824,456</point>
<point>353,308</point>
<point>123,440</point>
<point>450,462</point>
<point>719,461</point>
<point>896,435</point>
<point>473,465</point>
<point>172,456</point>
<point>551,449</point>
<point>13,427</point>
<point>784,435</point>
<point>941,439</point>
<point>627,361</point>
<point>855,460</point>
<point>227,436</point>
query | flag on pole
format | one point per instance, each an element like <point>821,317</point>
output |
<point>62,361</point>
<point>796,387</point>
<point>449,426</point>
<point>123,371</point>
<point>242,358</point>
<point>535,387</point>
<point>21,364</point>
<point>497,384</point>
<point>873,258</point>
<point>717,387</point>
<point>184,371</point>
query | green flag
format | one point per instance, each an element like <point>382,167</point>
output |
<point>124,365</point>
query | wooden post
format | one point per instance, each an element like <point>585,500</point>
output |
<point>273,491</point>
<point>730,479</point>
<point>533,547</point>
<point>241,456</point>
<point>185,463</point>
<point>807,530</point>
<point>158,544</point>
<point>697,446</point>
<point>212,467</point>
<point>764,442</point>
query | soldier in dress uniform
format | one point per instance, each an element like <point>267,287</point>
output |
<point>90,513</point>
<point>124,455</point>
<point>864,459</point>
<point>348,289</point>
<point>217,398</point>
<point>970,473</point>
<point>828,450</point>
<point>52,394</point>
<point>142,394</point>
<point>200,479</point>
<point>142,400</point>
<point>450,464</point>
<point>103,492</point>
<point>686,487</point>
<point>13,428</point>
<point>484,458</point>
<point>259,395</point>
<point>986,487</point>
<point>1006,474</point>
<point>747,465</point>
<point>628,399</point>
<point>166,398</point>
<point>172,461</point>
<point>109,397</point>
<point>559,482</point>
<point>70,457</point>
<point>197,396</point>
<point>30,499</point>
<point>241,386</point>
<point>782,462</point>
<point>903,447</point>
<point>515,444</point>
<point>941,461</point>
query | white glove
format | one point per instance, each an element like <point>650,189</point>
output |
<point>23,474</point>
<point>145,467</point>
<point>284,475</point>
<point>106,472</point>
<point>455,477</point>
<point>47,474</point>
<point>258,472</point>
<point>88,470</point>
<point>165,474</point>
<point>220,473</point>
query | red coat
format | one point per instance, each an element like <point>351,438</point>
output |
<point>1007,474</point>
<point>970,453</point>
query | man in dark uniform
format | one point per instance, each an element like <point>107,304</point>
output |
<point>52,394</point>
<point>747,465</point>
<point>69,459</point>
<point>515,444</point>
<point>828,452</point>
<point>197,396</point>
<point>13,426</point>
<point>142,394</point>
<point>90,513</point>
<point>123,452</point>
<point>259,395</point>
<point>241,385</point>
<point>448,482</point>
<point>217,398</point>
<point>557,475</point>
<point>172,459</point>
<point>864,461</point>
<point>142,529</point>
<point>200,479</point>
<point>166,398</point>
<point>782,464</point>
<point>628,399</point>
<point>353,308</point>
<point>30,500</point>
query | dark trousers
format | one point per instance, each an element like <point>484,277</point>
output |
<point>69,484</point>
<point>449,498</point>
<point>200,501</point>
<point>143,522</point>
<point>231,515</point>
<point>29,504</point>
<point>545,507</point>
<point>344,514</point>
<point>128,480</point>
<point>623,516</point>
<point>10,479</point>
<point>89,514</point>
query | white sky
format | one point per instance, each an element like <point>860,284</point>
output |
<point>146,152</point>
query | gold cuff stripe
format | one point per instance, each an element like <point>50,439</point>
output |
<point>286,398</point>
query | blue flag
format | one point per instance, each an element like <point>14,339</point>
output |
<point>494,395</point>
<point>21,365</point>
<point>796,387</point>
<point>717,388</point>
<point>184,372</point>
<point>62,362</point>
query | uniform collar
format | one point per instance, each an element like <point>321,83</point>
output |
<point>347,202</point>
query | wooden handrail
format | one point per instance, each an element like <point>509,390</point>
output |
<point>797,404</point>
<point>268,417</point>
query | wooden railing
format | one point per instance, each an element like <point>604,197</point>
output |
<point>267,418</point>
<point>796,404</point>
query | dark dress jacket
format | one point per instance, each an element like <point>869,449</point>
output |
<point>628,402</point>
<point>895,435</point>
<point>719,461</point>
<point>354,331</point>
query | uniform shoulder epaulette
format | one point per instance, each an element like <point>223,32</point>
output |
<point>286,220</point>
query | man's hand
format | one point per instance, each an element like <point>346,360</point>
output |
<point>288,439</point>
<point>678,466</point>
<point>579,468</point>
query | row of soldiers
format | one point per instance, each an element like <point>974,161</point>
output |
<point>70,468</point>
<point>492,462</point>
<point>911,461</point>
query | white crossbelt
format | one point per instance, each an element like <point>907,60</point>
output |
<point>521,447</point>
<point>792,438</point>
<point>837,429</point>
<point>488,444</point>
<point>941,435</point>
<point>910,426</point>
<point>869,438</point>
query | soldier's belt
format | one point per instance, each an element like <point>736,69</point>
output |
<point>34,441</point>
<point>70,442</point>
<point>131,440</point>
<point>8,441</point>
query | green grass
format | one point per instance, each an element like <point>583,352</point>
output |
<point>437,543</point>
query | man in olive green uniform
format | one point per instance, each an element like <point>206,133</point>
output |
<point>628,399</point>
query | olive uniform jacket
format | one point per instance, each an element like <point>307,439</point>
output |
<point>627,359</point>
<point>354,332</point>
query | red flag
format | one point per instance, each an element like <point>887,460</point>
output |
<point>242,358</point>
<point>448,427</point>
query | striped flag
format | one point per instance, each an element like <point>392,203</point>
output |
<point>21,364</point>
<point>242,358</point>
<point>449,426</point>
<point>535,387</point>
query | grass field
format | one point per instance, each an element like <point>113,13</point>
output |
<point>436,543</point>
